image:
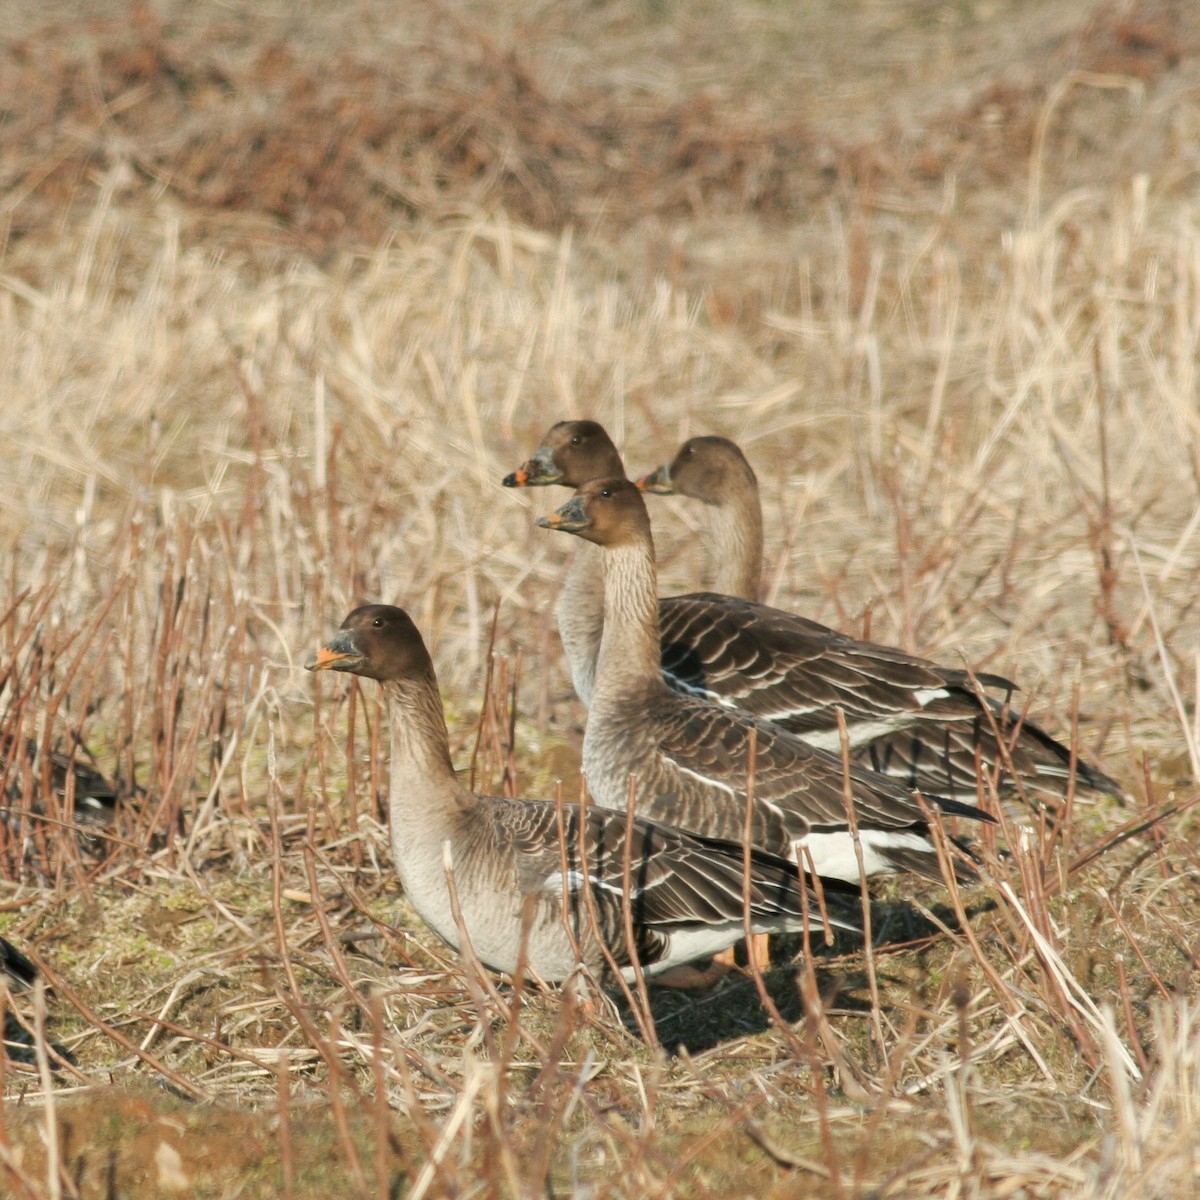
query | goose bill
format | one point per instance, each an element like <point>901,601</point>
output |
<point>571,518</point>
<point>658,481</point>
<point>539,471</point>
<point>338,654</point>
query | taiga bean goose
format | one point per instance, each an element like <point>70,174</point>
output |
<point>687,892</point>
<point>689,756</point>
<point>570,454</point>
<point>18,974</point>
<point>919,722</point>
<point>20,759</point>
<point>737,652</point>
<point>714,471</point>
<point>15,968</point>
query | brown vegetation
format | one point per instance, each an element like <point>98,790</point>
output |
<point>283,296</point>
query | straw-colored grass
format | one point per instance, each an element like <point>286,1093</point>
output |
<point>283,297</point>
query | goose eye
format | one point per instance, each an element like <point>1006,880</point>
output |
<point>378,622</point>
<point>576,440</point>
<point>606,492</point>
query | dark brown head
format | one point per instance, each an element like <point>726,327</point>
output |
<point>572,453</point>
<point>377,641</point>
<point>609,512</point>
<point>705,468</point>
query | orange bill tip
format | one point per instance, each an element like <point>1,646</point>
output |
<point>325,658</point>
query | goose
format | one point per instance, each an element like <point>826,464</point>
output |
<point>96,798</point>
<point>572,453</point>
<point>689,757</point>
<point>714,471</point>
<point>925,731</point>
<point>905,716</point>
<point>16,970</point>
<point>18,976</point>
<point>509,856</point>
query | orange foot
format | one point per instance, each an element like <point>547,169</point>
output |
<point>758,952</point>
<point>692,977</point>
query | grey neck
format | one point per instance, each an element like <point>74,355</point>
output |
<point>736,530</point>
<point>630,654</point>
<point>423,791</point>
<point>581,617</point>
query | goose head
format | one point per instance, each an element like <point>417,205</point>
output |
<point>377,641</point>
<point>572,453</point>
<point>609,512</point>
<point>708,469</point>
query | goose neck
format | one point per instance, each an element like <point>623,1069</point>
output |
<point>423,790</point>
<point>629,650</point>
<point>581,616</point>
<point>736,529</point>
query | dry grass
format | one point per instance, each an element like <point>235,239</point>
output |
<point>250,384</point>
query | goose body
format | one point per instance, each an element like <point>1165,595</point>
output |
<point>95,798</point>
<point>18,976</point>
<point>910,718</point>
<point>16,971</point>
<point>523,870</point>
<point>690,758</point>
<point>906,717</point>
